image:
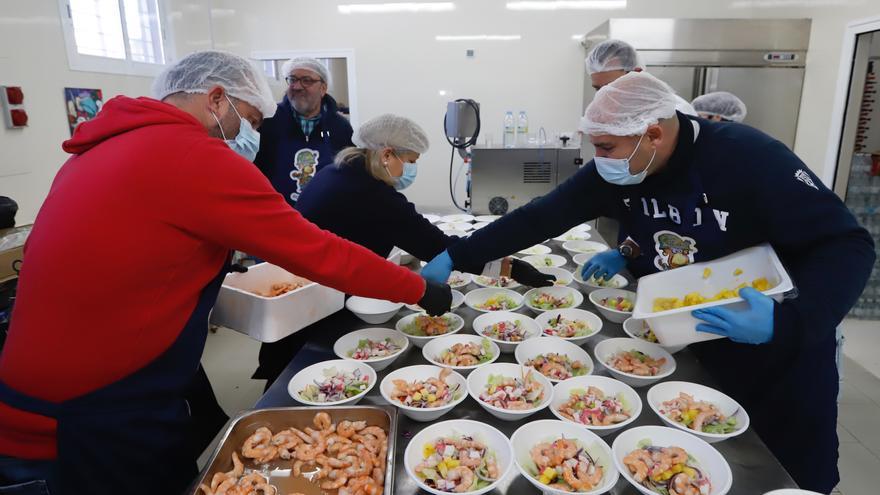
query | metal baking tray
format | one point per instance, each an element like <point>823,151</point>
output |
<point>276,419</point>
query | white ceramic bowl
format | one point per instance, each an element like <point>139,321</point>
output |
<point>349,342</point>
<point>432,218</point>
<point>457,301</point>
<point>372,311</point>
<point>563,277</point>
<point>432,350</point>
<point>480,225</point>
<point>612,314</point>
<point>456,233</point>
<point>422,372</point>
<point>490,283</point>
<point>532,330</point>
<point>478,379</point>
<point>542,260</point>
<point>555,291</point>
<point>308,375</point>
<point>548,430</point>
<point>584,247</point>
<point>611,387</point>
<point>580,259</point>
<point>635,329</point>
<point>458,218</point>
<point>589,286</point>
<point>608,347</point>
<point>420,341</point>
<point>537,249</point>
<point>496,441</point>
<point>458,279</point>
<point>591,319</point>
<point>486,218</point>
<point>573,235</point>
<point>479,296</point>
<point>455,226</point>
<point>555,345</point>
<point>709,459</point>
<point>669,390</point>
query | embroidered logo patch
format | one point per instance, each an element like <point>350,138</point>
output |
<point>804,177</point>
<point>673,250</point>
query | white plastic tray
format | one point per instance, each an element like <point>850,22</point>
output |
<point>677,326</point>
<point>269,319</point>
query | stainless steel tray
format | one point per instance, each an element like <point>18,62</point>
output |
<point>276,419</point>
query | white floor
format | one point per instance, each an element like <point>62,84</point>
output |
<point>230,358</point>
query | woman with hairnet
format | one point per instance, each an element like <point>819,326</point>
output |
<point>93,382</point>
<point>359,199</point>
<point>720,106</point>
<point>688,190</point>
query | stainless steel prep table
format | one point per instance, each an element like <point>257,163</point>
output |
<point>755,469</point>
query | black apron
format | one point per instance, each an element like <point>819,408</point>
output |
<point>131,436</point>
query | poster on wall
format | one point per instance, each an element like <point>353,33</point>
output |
<point>82,105</point>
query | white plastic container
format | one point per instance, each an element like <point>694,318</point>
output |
<point>677,326</point>
<point>270,319</point>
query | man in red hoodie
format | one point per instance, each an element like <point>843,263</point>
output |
<point>122,266</point>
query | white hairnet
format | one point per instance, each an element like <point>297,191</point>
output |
<point>307,63</point>
<point>201,71</point>
<point>725,105</point>
<point>391,131</point>
<point>613,55</point>
<point>627,106</point>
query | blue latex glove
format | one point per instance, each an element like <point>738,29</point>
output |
<point>752,326</point>
<point>438,269</point>
<point>604,265</point>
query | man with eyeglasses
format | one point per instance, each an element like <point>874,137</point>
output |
<point>306,132</point>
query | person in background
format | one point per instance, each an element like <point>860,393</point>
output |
<point>611,59</point>
<point>8,210</point>
<point>688,190</point>
<point>359,199</point>
<point>720,106</point>
<point>306,131</point>
<point>160,191</point>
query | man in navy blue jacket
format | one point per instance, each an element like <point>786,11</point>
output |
<point>687,190</point>
<point>306,132</point>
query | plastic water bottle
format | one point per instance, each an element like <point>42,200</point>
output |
<point>522,128</point>
<point>509,130</point>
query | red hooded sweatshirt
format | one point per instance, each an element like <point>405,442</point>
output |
<point>137,222</point>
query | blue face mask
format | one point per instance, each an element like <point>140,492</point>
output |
<point>616,170</point>
<point>406,179</point>
<point>247,142</point>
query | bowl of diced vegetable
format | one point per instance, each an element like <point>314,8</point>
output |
<point>563,276</point>
<point>423,392</point>
<point>616,305</point>
<point>332,383</point>
<point>461,352</point>
<point>509,391</point>
<point>560,458</point>
<point>488,300</point>
<point>506,329</point>
<point>698,410</point>
<point>487,282</point>
<point>575,248</point>
<point>542,299</point>
<point>555,358</point>
<point>378,347</point>
<point>634,362</point>
<point>545,260</point>
<point>572,324</point>
<point>598,403</point>
<point>573,235</point>
<point>639,329</point>
<point>421,328</point>
<point>593,284</point>
<point>537,249</point>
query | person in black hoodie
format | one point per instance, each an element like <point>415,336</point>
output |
<point>687,190</point>
<point>358,198</point>
<point>306,132</point>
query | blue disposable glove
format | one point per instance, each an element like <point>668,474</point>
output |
<point>604,265</point>
<point>752,326</point>
<point>438,269</point>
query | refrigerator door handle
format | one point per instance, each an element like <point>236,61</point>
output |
<point>710,79</point>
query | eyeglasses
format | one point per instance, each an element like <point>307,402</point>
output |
<point>306,82</point>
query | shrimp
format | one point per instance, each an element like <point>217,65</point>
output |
<point>286,441</point>
<point>297,467</point>
<point>613,419</point>
<point>492,468</point>
<point>306,452</point>
<point>336,479</point>
<point>379,476</point>
<point>348,428</point>
<point>637,462</point>
<point>681,485</point>
<point>679,456</point>
<point>258,447</point>
<point>322,421</point>
<point>250,481</point>
<point>468,360</point>
<point>701,418</point>
<point>470,458</point>
<point>206,490</point>
<point>464,476</point>
<point>226,486</point>
<point>265,489</point>
<point>539,456</point>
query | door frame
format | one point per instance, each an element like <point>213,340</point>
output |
<point>346,53</point>
<point>841,95</point>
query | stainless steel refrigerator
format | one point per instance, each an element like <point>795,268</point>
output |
<point>759,60</point>
<point>857,178</point>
